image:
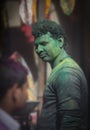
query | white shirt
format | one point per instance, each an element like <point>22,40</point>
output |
<point>8,121</point>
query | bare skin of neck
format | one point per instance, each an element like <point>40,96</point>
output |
<point>60,57</point>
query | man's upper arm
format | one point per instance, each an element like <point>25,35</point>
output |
<point>68,91</point>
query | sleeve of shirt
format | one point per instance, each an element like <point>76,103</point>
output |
<point>68,101</point>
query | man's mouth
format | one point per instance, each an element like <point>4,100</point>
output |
<point>42,56</point>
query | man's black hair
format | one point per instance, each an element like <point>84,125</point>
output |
<point>11,72</point>
<point>42,27</point>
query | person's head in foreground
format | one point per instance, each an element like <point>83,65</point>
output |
<point>50,41</point>
<point>13,85</point>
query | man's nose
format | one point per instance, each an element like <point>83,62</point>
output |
<point>39,49</point>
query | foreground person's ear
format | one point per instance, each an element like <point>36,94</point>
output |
<point>15,92</point>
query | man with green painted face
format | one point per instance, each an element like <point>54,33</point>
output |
<point>65,93</point>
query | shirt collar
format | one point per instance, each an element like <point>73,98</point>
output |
<point>9,121</point>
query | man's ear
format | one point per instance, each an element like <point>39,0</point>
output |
<point>61,42</point>
<point>15,92</point>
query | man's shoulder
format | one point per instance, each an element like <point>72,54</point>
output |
<point>69,64</point>
<point>68,68</point>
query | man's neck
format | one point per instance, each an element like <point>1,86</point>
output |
<point>6,107</point>
<point>60,57</point>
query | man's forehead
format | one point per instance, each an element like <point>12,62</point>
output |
<point>44,37</point>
